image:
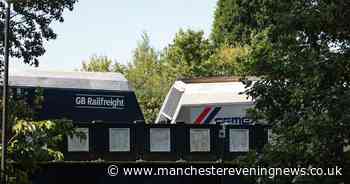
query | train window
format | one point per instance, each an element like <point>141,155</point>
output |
<point>119,139</point>
<point>159,139</point>
<point>239,140</point>
<point>199,140</point>
<point>77,143</point>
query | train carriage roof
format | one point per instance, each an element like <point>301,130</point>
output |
<point>69,80</point>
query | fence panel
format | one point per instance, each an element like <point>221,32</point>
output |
<point>165,142</point>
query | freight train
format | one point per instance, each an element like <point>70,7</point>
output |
<point>200,120</point>
<point>108,97</point>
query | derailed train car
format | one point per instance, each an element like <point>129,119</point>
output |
<point>219,100</point>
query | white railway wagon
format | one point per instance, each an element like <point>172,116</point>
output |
<point>206,101</point>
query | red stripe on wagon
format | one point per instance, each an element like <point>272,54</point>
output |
<point>202,115</point>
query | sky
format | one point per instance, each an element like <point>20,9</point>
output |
<point>113,27</point>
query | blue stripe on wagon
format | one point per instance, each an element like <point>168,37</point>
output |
<point>212,115</point>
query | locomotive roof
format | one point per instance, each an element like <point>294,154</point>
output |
<point>69,80</point>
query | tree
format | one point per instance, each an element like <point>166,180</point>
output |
<point>31,141</point>
<point>97,64</point>
<point>226,61</point>
<point>29,29</point>
<point>102,64</point>
<point>152,73</point>
<point>30,26</point>
<point>149,78</point>
<point>231,18</point>
<point>187,53</point>
<point>192,55</point>
<point>301,51</point>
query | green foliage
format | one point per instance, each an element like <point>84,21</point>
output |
<point>30,26</point>
<point>30,141</point>
<point>301,51</point>
<point>97,64</point>
<point>149,78</point>
<point>226,61</point>
<point>145,73</point>
<point>33,142</point>
<point>38,140</point>
<point>120,68</point>
<point>151,73</point>
<point>192,55</point>
<point>187,54</point>
<point>102,64</point>
<point>231,18</point>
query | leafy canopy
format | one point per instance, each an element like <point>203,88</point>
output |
<point>30,26</point>
<point>301,51</point>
